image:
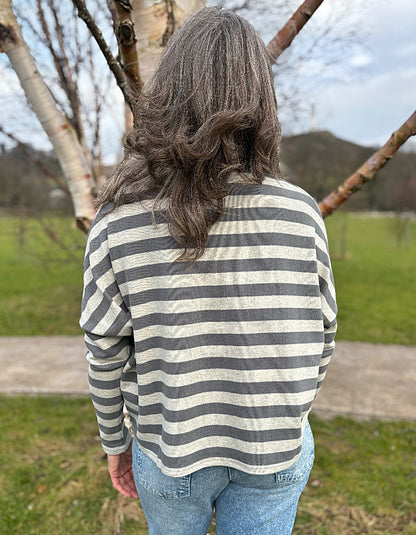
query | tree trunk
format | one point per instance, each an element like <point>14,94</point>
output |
<point>74,163</point>
<point>154,22</point>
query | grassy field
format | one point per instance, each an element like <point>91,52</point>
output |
<point>41,279</point>
<point>54,476</point>
<point>374,270</point>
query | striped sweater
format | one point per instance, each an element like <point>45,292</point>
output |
<point>217,364</point>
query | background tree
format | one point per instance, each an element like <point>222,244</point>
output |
<point>142,29</point>
<point>61,133</point>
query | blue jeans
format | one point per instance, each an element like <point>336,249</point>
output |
<point>244,503</point>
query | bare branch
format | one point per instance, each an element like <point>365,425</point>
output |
<point>126,39</point>
<point>293,26</point>
<point>367,171</point>
<point>63,66</point>
<point>112,62</point>
<point>48,41</point>
<point>28,21</point>
<point>98,169</point>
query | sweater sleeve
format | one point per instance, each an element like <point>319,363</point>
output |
<point>328,298</point>
<point>106,322</point>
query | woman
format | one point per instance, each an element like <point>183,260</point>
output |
<point>209,305</point>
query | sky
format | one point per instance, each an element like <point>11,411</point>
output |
<point>381,94</point>
<point>351,70</point>
<point>359,81</point>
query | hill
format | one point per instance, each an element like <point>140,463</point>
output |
<point>24,184</point>
<point>319,162</point>
<point>316,161</point>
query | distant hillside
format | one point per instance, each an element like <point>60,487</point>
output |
<point>319,161</point>
<point>24,184</point>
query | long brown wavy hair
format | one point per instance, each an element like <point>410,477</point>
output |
<point>208,111</point>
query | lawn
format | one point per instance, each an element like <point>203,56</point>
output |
<point>54,476</point>
<point>375,279</point>
<point>41,279</point>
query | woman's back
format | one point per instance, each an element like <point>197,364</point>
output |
<point>227,353</point>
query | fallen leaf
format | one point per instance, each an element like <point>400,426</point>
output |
<point>316,483</point>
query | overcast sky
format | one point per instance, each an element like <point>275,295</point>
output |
<point>360,87</point>
<point>381,95</point>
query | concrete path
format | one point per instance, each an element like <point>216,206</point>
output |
<point>363,381</point>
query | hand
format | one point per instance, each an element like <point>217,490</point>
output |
<point>121,473</point>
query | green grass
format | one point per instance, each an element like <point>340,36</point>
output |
<point>375,279</point>
<point>40,285</point>
<point>40,281</point>
<point>54,475</point>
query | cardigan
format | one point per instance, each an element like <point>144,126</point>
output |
<point>217,363</point>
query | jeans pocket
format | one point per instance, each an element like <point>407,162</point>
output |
<point>300,470</point>
<point>151,478</point>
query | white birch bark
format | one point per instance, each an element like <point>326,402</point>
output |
<point>151,21</point>
<point>74,162</point>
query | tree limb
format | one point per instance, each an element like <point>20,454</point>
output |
<point>98,169</point>
<point>293,26</point>
<point>126,39</point>
<point>367,171</point>
<point>71,86</point>
<point>112,62</point>
<point>62,65</point>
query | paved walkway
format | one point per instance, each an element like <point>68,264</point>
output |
<point>363,381</point>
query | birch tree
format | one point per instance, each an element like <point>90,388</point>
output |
<point>155,22</point>
<point>74,163</point>
<point>149,24</point>
<point>143,28</point>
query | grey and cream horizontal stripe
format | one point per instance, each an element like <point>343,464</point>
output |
<point>217,364</point>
